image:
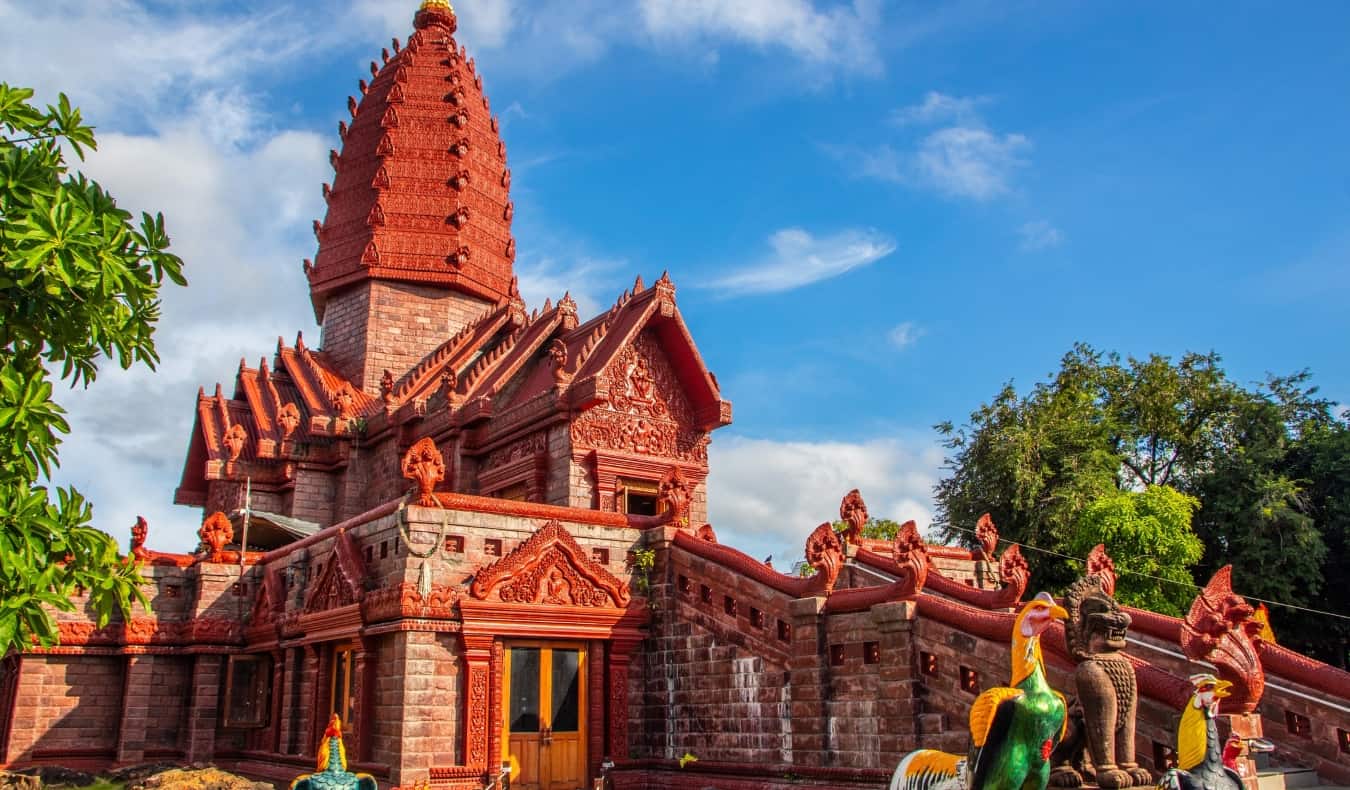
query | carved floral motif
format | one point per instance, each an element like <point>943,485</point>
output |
<point>1220,629</point>
<point>853,512</point>
<point>550,568</point>
<point>405,600</point>
<point>215,532</point>
<point>424,465</point>
<point>521,448</point>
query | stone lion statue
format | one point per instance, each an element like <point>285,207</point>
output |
<point>1101,721</point>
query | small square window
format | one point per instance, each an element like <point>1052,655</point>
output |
<point>756,618</point>
<point>871,652</point>
<point>384,549</point>
<point>237,588</point>
<point>454,544</point>
<point>492,547</point>
<point>370,554</point>
<point>970,680</point>
<point>784,631</point>
<point>600,556</point>
<point>1343,737</point>
<point>928,664</point>
<point>1297,724</point>
<point>836,655</point>
<point>686,587</point>
<point>172,591</point>
<point>729,605</point>
<point>705,593</point>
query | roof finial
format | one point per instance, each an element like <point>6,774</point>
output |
<point>438,12</point>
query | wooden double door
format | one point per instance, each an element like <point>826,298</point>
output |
<point>544,738</point>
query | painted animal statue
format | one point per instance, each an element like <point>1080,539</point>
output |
<point>332,773</point>
<point>1199,749</point>
<point>1101,725</point>
<point>1013,728</point>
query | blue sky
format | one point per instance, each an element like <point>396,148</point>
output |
<point>876,213</point>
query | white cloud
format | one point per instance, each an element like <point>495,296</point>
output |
<point>939,108</point>
<point>766,496</point>
<point>963,158</point>
<point>905,334</point>
<point>798,258</point>
<point>970,162</point>
<point>841,35</point>
<point>1039,235</point>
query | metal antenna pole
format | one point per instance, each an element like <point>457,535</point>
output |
<point>248,507</point>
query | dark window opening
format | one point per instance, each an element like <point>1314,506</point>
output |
<point>871,653</point>
<point>836,655</point>
<point>970,680</point>
<point>248,690</point>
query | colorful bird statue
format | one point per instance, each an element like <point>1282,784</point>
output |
<point>332,771</point>
<point>1013,728</point>
<point>1199,750</point>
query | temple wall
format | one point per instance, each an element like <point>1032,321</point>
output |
<point>377,325</point>
<point>67,709</point>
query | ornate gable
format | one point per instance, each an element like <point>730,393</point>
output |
<point>550,568</point>
<point>341,582</point>
<point>647,411</point>
<point>270,601</point>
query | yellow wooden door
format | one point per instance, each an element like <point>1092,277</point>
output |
<point>544,730</point>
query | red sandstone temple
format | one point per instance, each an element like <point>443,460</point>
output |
<point>477,532</point>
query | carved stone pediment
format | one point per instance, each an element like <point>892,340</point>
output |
<point>342,581</point>
<point>269,603</point>
<point>550,568</point>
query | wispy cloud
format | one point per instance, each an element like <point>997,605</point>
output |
<point>1039,235</point>
<point>905,334</point>
<point>752,509</point>
<point>797,258</point>
<point>964,158</point>
<point>939,108</point>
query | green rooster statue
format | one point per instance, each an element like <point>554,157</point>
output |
<point>1013,729</point>
<point>332,771</point>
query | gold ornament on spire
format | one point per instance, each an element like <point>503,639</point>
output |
<point>429,4</point>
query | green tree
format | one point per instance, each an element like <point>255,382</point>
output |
<point>79,282</point>
<point>874,529</point>
<point>1322,460</point>
<point>1148,534</point>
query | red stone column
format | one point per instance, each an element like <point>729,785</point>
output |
<point>292,724</point>
<point>366,664</point>
<point>311,699</point>
<point>896,702</point>
<point>478,693</point>
<point>136,691</point>
<point>279,690</point>
<point>619,656</point>
<point>204,709</point>
<point>808,670</point>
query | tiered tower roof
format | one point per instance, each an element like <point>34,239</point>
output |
<point>421,192</point>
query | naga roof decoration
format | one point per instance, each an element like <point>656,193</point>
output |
<point>421,191</point>
<point>1220,629</point>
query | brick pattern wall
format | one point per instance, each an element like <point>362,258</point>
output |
<point>67,707</point>
<point>377,325</point>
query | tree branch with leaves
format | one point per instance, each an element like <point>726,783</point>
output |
<point>79,282</point>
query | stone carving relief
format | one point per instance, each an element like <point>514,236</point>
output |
<point>647,412</point>
<point>424,465</point>
<point>550,568</point>
<point>288,417</point>
<point>853,512</point>
<point>234,440</point>
<point>1220,628</point>
<point>911,553</point>
<point>139,532</point>
<point>215,532</point>
<point>825,553</point>
<point>521,448</point>
<point>674,494</point>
